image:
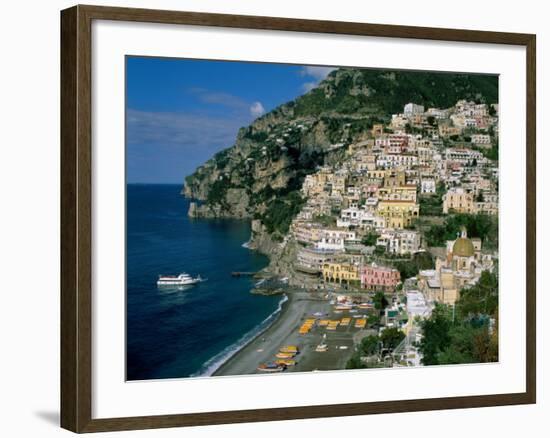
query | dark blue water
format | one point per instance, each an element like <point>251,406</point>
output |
<point>173,333</point>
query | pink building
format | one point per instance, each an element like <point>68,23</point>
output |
<point>381,278</point>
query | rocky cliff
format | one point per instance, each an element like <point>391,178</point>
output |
<point>259,177</point>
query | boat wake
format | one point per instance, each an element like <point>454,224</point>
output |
<point>214,363</point>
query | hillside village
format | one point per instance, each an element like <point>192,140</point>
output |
<point>388,225</point>
<point>368,205</point>
<point>366,221</point>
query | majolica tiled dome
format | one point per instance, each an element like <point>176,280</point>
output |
<point>463,247</point>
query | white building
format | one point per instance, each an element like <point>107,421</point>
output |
<point>481,139</point>
<point>400,241</point>
<point>427,186</point>
<point>334,239</point>
<point>391,161</point>
<point>360,218</point>
<point>412,109</point>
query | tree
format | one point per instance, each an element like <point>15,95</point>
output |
<point>420,261</point>
<point>480,299</point>
<point>470,333</point>
<point>478,225</point>
<point>380,301</point>
<point>392,337</point>
<point>436,335</point>
<point>373,320</point>
<point>370,239</point>
<point>355,362</point>
<point>492,153</point>
<point>369,345</point>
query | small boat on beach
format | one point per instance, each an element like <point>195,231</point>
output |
<point>289,349</point>
<point>270,367</point>
<point>182,279</point>
<point>282,355</point>
<point>322,347</point>
<point>286,362</point>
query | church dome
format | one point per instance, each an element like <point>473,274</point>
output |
<point>463,247</point>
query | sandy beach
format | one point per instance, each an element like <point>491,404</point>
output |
<point>284,331</point>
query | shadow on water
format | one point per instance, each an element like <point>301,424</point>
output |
<point>166,290</point>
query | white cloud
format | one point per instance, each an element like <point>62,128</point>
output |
<point>308,86</point>
<point>319,73</point>
<point>315,75</point>
<point>219,98</point>
<point>257,109</point>
<point>183,130</point>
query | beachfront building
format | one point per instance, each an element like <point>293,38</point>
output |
<point>343,272</point>
<point>458,200</point>
<point>398,214</point>
<point>379,278</point>
<point>311,260</point>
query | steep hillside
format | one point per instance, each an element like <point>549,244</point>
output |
<point>260,175</point>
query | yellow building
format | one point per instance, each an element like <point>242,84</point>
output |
<point>394,178</point>
<point>458,200</point>
<point>340,272</point>
<point>402,193</point>
<point>398,213</point>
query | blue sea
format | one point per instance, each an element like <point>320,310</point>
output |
<point>175,333</point>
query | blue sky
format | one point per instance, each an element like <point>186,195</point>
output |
<point>179,112</point>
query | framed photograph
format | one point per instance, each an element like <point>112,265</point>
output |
<point>268,219</point>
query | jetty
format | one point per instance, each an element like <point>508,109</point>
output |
<point>242,274</point>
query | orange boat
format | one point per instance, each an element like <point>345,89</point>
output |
<point>284,355</point>
<point>286,362</point>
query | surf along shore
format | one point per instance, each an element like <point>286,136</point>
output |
<point>284,331</point>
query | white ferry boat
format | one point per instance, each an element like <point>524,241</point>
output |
<point>182,279</point>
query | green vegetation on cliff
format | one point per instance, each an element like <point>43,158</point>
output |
<point>261,174</point>
<point>385,92</point>
<point>478,225</point>
<point>280,212</point>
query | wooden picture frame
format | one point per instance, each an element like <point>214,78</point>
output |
<point>76,217</point>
